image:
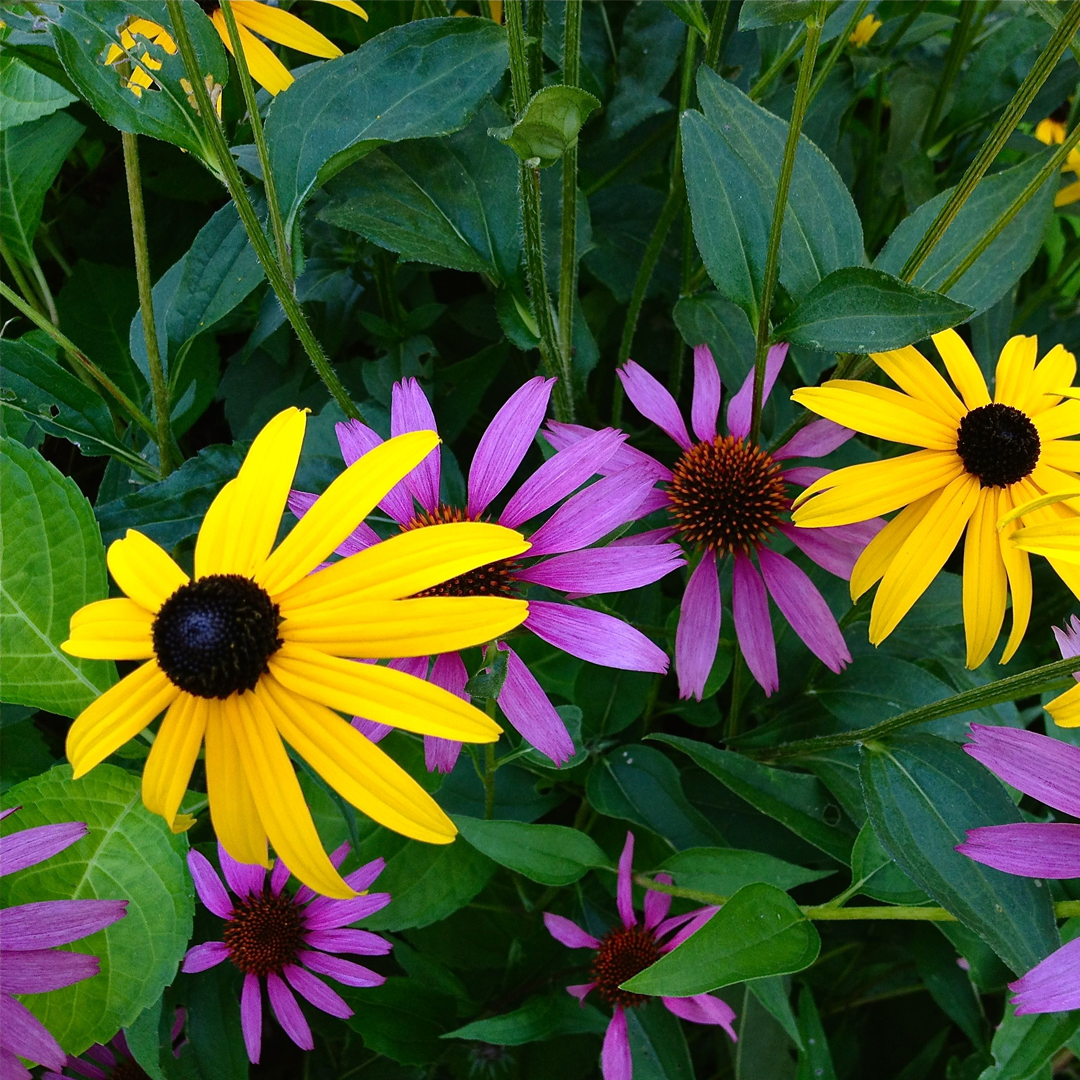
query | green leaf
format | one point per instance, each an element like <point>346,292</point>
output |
<point>725,871</point>
<point>26,94</point>
<point>610,700</point>
<point>859,310</point>
<point>691,13</point>
<point>999,267</point>
<point>757,13</point>
<point>815,1060</point>
<point>144,1042</point>
<point>709,319</point>
<point>549,125</point>
<point>760,931</point>
<point>658,1047</point>
<point>549,854</point>
<point>414,81</point>
<point>128,853</point>
<point>878,875</point>
<point>53,564</point>
<point>541,1017</point>
<point>922,794</point>
<point>30,159</point>
<point>1024,1044</point>
<point>403,1019</point>
<point>774,993</point>
<point>215,1034</point>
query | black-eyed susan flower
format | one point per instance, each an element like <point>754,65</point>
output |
<point>251,651</point>
<point>1052,131</point>
<point>980,459</point>
<point>864,30</point>
<point>254,17</point>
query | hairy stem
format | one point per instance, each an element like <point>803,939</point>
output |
<point>568,258</point>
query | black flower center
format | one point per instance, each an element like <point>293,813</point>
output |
<point>209,6</point>
<point>265,933</point>
<point>213,636</point>
<point>624,952</point>
<point>127,1069</point>
<point>726,495</point>
<point>998,444</point>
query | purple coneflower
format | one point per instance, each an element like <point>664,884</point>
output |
<point>726,496</point>
<point>628,949</point>
<point>29,936</point>
<point>114,1061</point>
<point>560,558</point>
<point>281,938</point>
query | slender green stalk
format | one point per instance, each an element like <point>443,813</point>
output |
<point>568,268</point>
<point>714,42</point>
<point>914,11</point>
<point>519,58</point>
<point>757,91</point>
<point>954,57</point>
<point>535,44</point>
<point>250,219</point>
<point>22,281</point>
<point>248,87</point>
<point>159,387</point>
<point>43,288</point>
<point>837,50</point>
<point>993,145</point>
<point>814,27</point>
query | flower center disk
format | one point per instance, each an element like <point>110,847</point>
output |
<point>213,636</point>
<point>265,933</point>
<point>998,444</point>
<point>726,495</point>
<point>624,952</point>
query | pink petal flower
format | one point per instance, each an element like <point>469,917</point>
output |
<point>594,636</point>
<point>25,1035</point>
<point>654,401</point>
<point>317,992</point>
<point>48,923</point>
<point>288,1012</point>
<point>594,571</point>
<point>815,440</point>
<point>528,709</point>
<point>657,904</point>
<point>703,1009</point>
<point>411,411</point>
<point>624,897</point>
<point>1053,985</point>
<point>698,633</point>
<point>705,406</point>
<point>251,1017</point>
<point>615,1060</point>
<point>750,610</point>
<point>741,405</point>
<point>1030,849</point>
<point>568,933</point>
<point>207,955</point>
<point>562,435</point>
<point>29,847</point>
<point>208,885</point>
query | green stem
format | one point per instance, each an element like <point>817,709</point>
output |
<point>158,386</point>
<point>993,145</point>
<point>43,288</point>
<point>250,219</point>
<point>535,44</point>
<point>757,91</point>
<point>568,268</point>
<point>248,87</point>
<point>21,280</point>
<point>814,27</point>
<point>837,50</point>
<point>954,57</point>
<point>715,40</point>
<point>914,11</point>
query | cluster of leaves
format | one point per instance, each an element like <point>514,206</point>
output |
<point>397,169</point>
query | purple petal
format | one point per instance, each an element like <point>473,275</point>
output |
<point>1040,850</point>
<point>355,440</point>
<point>317,992</point>
<point>251,1014</point>
<point>560,475</point>
<point>207,955</point>
<point>440,755</point>
<point>9,812</point>
<point>361,942</point>
<point>345,971</point>
<point>655,499</point>
<point>11,1068</point>
<point>505,443</point>
<point>567,932</point>
<point>615,1060</point>
<point>448,672</point>
<point>705,407</point>
<point>581,991</point>
<point>741,405</point>
<point>703,1009</point>
<point>324,913</point>
<point>645,539</point>
<point>47,923</point>
<point>605,570</point>
<point>417,666</point>
<point>562,435</point>
<point>363,536</point>
<point>25,1035</point>
<point>698,633</point>
<point>288,1012</point>
<point>243,878</point>
<point>304,893</point>
<point>1052,985</point>
<point>32,846</point>
<point>624,898</point>
<point>750,609</point>
<point>365,876</point>
<point>83,1067</point>
<point>654,402</point>
<point>1038,765</point>
<point>595,636</point>
<point>279,876</point>
<point>805,609</point>
<point>369,729</point>
<point>805,475</point>
<point>695,922</point>
<point>208,885</point>
<point>657,904</point>
<point>1068,639</point>
<point>815,440</point>
<point>41,970</point>
<point>410,410</point>
<point>528,709</point>
<point>835,548</point>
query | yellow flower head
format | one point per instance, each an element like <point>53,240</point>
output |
<point>979,460</point>
<point>867,27</point>
<point>1052,131</point>
<point>252,650</point>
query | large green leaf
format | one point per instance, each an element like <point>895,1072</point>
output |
<point>403,1019</point>
<point>26,94</point>
<point>128,854</point>
<point>658,1047</point>
<point>415,81</point>
<point>541,1017</point>
<point>725,871</point>
<point>1024,1044</point>
<point>760,931</point>
<point>815,1061</point>
<point>53,564</point>
<point>923,793</point>
<point>877,875</point>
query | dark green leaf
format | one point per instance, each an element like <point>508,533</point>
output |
<point>143,1040</point>
<point>26,94</point>
<point>757,13</point>
<point>1024,1044</point>
<point>403,1019</point>
<point>709,319</point>
<point>539,1018</point>
<point>691,13</point>
<point>549,125</point>
<point>216,1039</point>
<point>815,1060</point>
<point>878,875</point>
<point>657,1044</point>
<point>948,983</point>
<point>725,871</point>
<point>610,700</point>
<point>774,993</point>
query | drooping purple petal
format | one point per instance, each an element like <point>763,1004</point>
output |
<point>1052,985</point>
<point>605,570</point>
<point>657,904</point>
<point>805,609</point>
<point>741,405</point>
<point>805,475</point>
<point>38,971</point>
<point>279,876</point>
<point>695,921</point>
<point>32,846</point>
<point>363,536</point>
<point>595,636</point>
<point>703,1009</point>
<point>410,410</point>
<point>506,442</point>
<point>251,1014</point>
<point>653,400</point>
<point>208,885</point>
<point>25,1035</point>
<point>567,932</point>
<point>835,548</point>
<point>1038,765</point>
<point>705,406</point>
<point>361,942</point>
<point>288,1012</point>
<point>815,440</point>
<point>1030,849</point>
<point>345,971</point>
<point>753,627</point>
<point>615,1060</point>
<point>1068,639</point>
<point>656,499</point>
<point>355,440</point>
<point>363,877</point>
<point>243,878</point>
<point>559,476</point>
<point>528,709</point>
<point>47,923</point>
<point>324,913</point>
<point>581,991</point>
<point>448,672</point>
<point>698,633</point>
<point>624,897</point>
<point>562,435</point>
<point>370,729</point>
<point>11,1067</point>
<point>81,1066</point>
<point>207,955</point>
<point>316,991</point>
<point>304,893</point>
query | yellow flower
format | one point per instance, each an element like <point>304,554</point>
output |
<point>1052,132</point>
<point>252,651</point>
<point>867,27</point>
<point>980,459</point>
<point>255,17</point>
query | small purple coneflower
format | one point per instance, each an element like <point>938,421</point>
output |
<point>114,1061</point>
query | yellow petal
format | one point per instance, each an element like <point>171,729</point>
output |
<point>1058,540</point>
<point>344,504</point>
<point>355,767</point>
<point>380,694</point>
<point>264,66</point>
<point>1068,194</point>
<point>407,564</point>
<point>284,28</point>
<point>111,630</point>
<point>1058,422</point>
<point>232,808</point>
<point>118,715</point>
<point>915,375</point>
<point>144,571</point>
<point>378,629</point>
<point>1015,369</point>
<point>985,580</point>
<point>1061,454</point>
<point>880,552</point>
<point>963,368</point>
<point>348,5</point>
<point>172,757</point>
<point>280,802</point>
<point>1055,371</point>
<point>1065,708</point>
<point>1018,569</point>
<point>923,554</point>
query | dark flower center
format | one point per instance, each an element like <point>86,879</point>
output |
<point>213,636</point>
<point>726,495</point>
<point>128,1069</point>
<point>265,933</point>
<point>998,444</point>
<point>624,952</point>
<point>209,6</point>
